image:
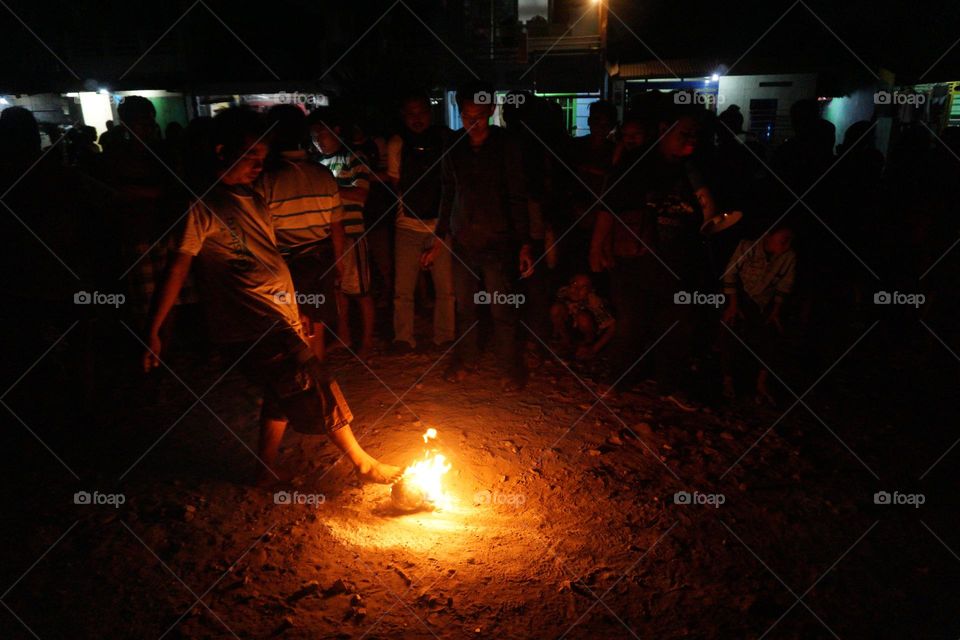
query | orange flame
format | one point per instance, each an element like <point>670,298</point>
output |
<point>427,475</point>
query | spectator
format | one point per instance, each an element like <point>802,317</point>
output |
<point>591,157</point>
<point>758,278</point>
<point>647,234</point>
<point>304,204</point>
<point>133,167</point>
<point>349,242</point>
<point>413,166</point>
<point>580,310</point>
<point>483,213</point>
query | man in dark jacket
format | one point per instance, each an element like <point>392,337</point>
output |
<point>483,216</point>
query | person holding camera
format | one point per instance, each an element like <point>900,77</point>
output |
<point>647,234</point>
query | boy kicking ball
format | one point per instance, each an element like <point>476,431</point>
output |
<point>251,304</point>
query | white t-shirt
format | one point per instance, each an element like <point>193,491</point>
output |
<point>394,156</point>
<point>245,282</point>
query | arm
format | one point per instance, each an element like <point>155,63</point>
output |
<point>162,303</point>
<point>783,289</point>
<point>730,276</point>
<point>448,188</point>
<point>516,196</point>
<point>359,187</point>
<point>339,236</point>
<point>394,149</point>
<point>517,204</point>
<point>604,338</point>
<point>707,204</point>
<point>600,257</point>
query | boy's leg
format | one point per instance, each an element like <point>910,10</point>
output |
<point>368,316</point>
<point>272,427</point>
<point>317,342</point>
<point>407,254</point>
<point>559,316</point>
<point>343,319</point>
<point>587,327</point>
<point>465,284</point>
<point>369,467</point>
<point>498,276</point>
<point>445,304</point>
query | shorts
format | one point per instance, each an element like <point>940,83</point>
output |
<point>355,268</point>
<point>314,279</point>
<point>296,386</point>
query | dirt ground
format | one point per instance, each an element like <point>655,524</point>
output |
<point>566,522</point>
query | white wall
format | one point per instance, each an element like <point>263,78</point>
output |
<point>739,90</point>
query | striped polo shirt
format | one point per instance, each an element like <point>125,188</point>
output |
<point>303,200</point>
<point>350,170</point>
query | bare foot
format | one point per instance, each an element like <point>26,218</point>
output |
<point>379,472</point>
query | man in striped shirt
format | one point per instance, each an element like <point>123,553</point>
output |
<point>304,204</point>
<point>349,244</point>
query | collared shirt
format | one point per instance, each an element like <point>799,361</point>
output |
<point>483,201</point>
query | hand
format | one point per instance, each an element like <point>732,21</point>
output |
<point>551,255</point>
<point>151,355</point>
<point>600,261</point>
<point>427,257</point>
<point>732,313</point>
<point>526,261</point>
<point>307,325</point>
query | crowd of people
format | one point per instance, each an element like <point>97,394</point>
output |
<point>663,242</point>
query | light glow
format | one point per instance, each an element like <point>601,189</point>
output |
<point>425,477</point>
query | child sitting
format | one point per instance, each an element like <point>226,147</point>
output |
<point>580,310</point>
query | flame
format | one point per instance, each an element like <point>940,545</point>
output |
<point>427,474</point>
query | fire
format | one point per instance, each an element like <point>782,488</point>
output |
<point>421,484</point>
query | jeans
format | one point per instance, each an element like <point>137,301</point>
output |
<point>496,276</point>
<point>409,246</point>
